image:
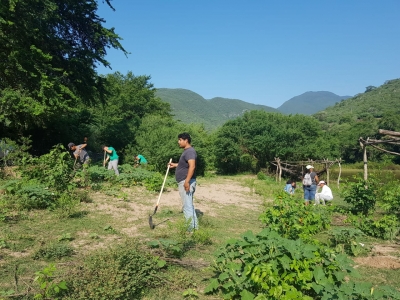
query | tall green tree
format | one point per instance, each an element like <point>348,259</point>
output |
<point>49,52</point>
<point>129,99</point>
<point>157,140</point>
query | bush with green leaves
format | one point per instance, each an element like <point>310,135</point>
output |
<point>386,228</point>
<point>27,194</point>
<point>48,286</point>
<point>54,169</point>
<point>261,176</point>
<point>292,219</point>
<point>268,266</point>
<point>123,272</point>
<point>391,197</point>
<point>361,195</point>
<point>349,240</point>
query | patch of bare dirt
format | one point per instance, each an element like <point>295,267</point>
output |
<point>380,262</point>
<point>339,220</point>
<point>207,197</point>
<point>386,249</point>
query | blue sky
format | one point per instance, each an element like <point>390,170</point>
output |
<point>259,51</point>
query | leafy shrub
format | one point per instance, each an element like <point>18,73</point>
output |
<point>292,219</point>
<point>347,240</point>
<point>154,182</point>
<point>391,197</point>
<point>54,169</point>
<point>271,267</point>
<point>28,194</point>
<point>261,176</point>
<point>66,205</point>
<point>53,251</point>
<point>123,272</point>
<point>361,195</point>
<point>49,288</point>
<point>169,247</point>
<point>385,228</point>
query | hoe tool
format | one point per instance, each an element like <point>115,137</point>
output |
<point>152,226</point>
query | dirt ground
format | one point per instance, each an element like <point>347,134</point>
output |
<point>211,198</point>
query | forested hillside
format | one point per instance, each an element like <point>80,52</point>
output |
<point>310,102</point>
<point>374,102</point>
<point>362,116</point>
<point>190,107</point>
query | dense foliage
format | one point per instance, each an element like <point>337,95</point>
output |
<point>258,137</point>
<point>362,116</point>
<point>292,219</point>
<point>268,266</point>
<point>49,54</point>
<point>286,261</point>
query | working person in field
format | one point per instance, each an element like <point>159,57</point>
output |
<point>324,195</point>
<point>310,181</point>
<point>185,175</point>
<point>112,158</point>
<point>79,152</point>
<point>140,160</point>
<point>290,186</point>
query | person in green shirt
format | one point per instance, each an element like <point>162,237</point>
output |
<point>112,158</point>
<point>140,160</point>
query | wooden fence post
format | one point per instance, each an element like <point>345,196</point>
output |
<point>364,147</point>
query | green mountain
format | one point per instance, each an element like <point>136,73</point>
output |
<point>310,102</point>
<point>190,107</point>
<point>374,102</point>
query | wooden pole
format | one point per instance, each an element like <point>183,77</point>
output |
<point>388,132</point>
<point>327,172</point>
<point>340,172</point>
<point>364,147</point>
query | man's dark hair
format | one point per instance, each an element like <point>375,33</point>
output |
<point>102,147</point>
<point>185,136</point>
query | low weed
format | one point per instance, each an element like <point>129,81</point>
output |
<point>53,251</point>
<point>123,272</point>
<point>66,205</point>
<point>386,228</point>
<point>48,286</point>
<point>65,237</point>
<point>349,240</point>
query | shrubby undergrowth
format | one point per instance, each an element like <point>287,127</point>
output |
<point>123,272</point>
<point>292,219</point>
<point>283,261</point>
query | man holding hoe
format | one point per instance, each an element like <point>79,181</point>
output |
<point>79,151</point>
<point>186,177</point>
<point>112,157</point>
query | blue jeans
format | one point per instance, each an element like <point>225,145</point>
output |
<point>187,201</point>
<point>309,192</point>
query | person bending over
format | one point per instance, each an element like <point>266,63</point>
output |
<point>325,195</point>
<point>112,158</point>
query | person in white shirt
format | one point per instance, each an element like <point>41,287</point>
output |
<point>324,195</point>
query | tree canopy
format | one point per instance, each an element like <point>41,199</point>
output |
<point>49,51</point>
